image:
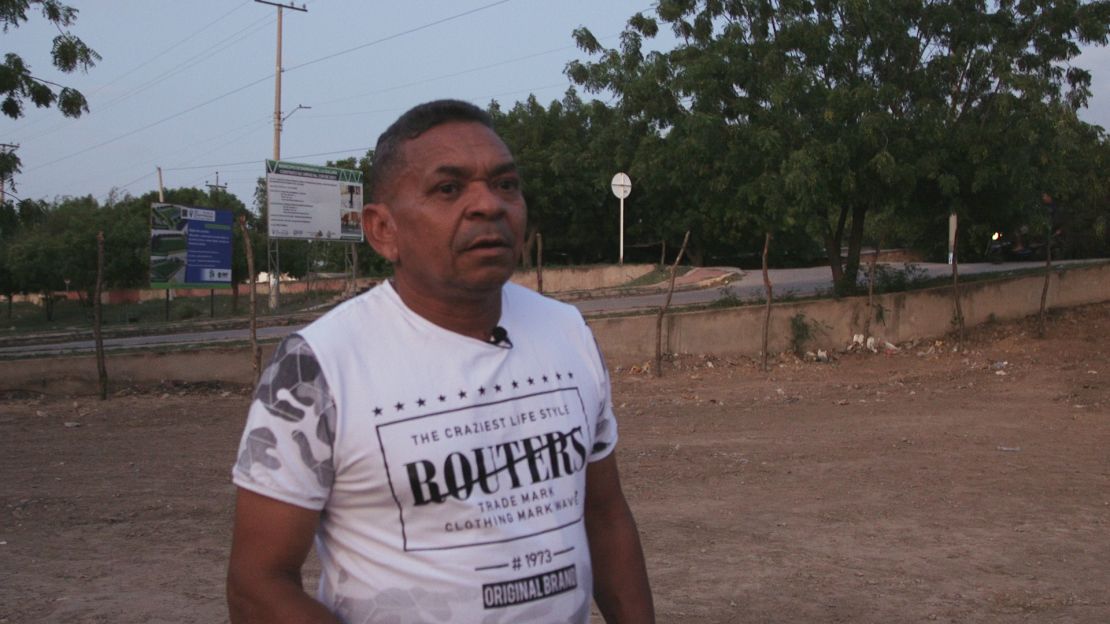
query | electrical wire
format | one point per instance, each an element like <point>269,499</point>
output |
<point>251,84</point>
<point>144,163</point>
<point>99,109</point>
<point>396,35</point>
<point>445,76</point>
<point>150,125</point>
<point>361,150</point>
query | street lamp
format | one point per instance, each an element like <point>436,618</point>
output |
<point>299,107</point>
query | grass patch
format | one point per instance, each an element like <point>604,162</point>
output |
<point>77,317</point>
<point>656,276</point>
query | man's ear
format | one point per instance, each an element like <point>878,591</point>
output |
<point>380,230</point>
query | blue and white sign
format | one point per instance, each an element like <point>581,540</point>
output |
<point>190,247</point>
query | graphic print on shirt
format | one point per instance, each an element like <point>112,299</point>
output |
<point>472,475</point>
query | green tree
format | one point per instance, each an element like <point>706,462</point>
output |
<point>9,225</point>
<point>59,246</point>
<point>566,174</point>
<point>839,109</point>
<point>18,84</point>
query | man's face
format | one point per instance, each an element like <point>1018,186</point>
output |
<point>457,213</point>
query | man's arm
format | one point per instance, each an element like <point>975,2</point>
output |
<point>621,586</point>
<point>270,542</point>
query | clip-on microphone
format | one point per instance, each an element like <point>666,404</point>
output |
<point>500,338</point>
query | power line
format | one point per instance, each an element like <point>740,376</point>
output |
<point>396,35</point>
<point>194,60</point>
<point>151,125</point>
<point>251,84</point>
<point>101,108</point>
<point>451,75</point>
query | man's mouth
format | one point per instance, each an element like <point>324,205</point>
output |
<point>487,242</point>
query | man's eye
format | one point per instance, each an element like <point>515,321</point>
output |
<point>448,188</point>
<point>508,184</point>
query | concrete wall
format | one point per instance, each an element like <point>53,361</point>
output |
<point>909,315</point>
<point>583,278</point>
<point>631,339</point>
<point>262,289</point>
<point>554,280</point>
<point>77,374</point>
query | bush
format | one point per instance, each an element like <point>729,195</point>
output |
<point>889,279</point>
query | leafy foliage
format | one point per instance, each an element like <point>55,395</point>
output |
<point>771,113</point>
<point>17,84</point>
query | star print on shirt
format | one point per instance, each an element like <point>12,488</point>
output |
<point>484,390</point>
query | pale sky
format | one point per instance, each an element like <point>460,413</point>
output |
<point>189,85</point>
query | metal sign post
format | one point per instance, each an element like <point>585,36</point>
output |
<point>952,224</point>
<point>621,186</point>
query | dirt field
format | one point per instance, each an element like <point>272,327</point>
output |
<point>927,485</point>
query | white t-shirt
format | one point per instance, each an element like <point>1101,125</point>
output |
<point>450,471</point>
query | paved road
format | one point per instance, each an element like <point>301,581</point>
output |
<point>798,282</point>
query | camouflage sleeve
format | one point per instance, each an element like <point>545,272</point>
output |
<point>286,449</point>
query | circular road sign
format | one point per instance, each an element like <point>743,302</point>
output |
<point>621,185</point>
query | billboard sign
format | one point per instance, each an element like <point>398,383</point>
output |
<point>190,247</point>
<point>308,202</point>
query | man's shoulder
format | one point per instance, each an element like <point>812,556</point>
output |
<point>374,303</point>
<point>529,302</point>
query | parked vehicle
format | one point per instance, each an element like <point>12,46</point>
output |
<point>1019,246</point>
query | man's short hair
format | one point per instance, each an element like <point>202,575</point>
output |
<point>415,122</point>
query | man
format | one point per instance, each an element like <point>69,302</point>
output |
<point>446,437</point>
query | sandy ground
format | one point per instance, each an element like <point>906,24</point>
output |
<point>927,485</point>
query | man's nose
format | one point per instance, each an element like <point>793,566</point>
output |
<point>485,202</point>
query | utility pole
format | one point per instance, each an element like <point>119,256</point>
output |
<point>214,189</point>
<point>272,251</point>
<point>7,148</point>
<point>217,187</point>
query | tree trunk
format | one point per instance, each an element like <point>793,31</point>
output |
<point>833,240</point>
<point>101,369</point>
<point>767,286</point>
<point>48,305</point>
<point>1044,290</point>
<point>871,291</point>
<point>539,262</point>
<point>663,310</point>
<point>526,257</point>
<point>832,253</point>
<point>956,282</point>
<point>696,255</point>
<point>234,297</point>
<point>256,354</point>
<point>855,240</point>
